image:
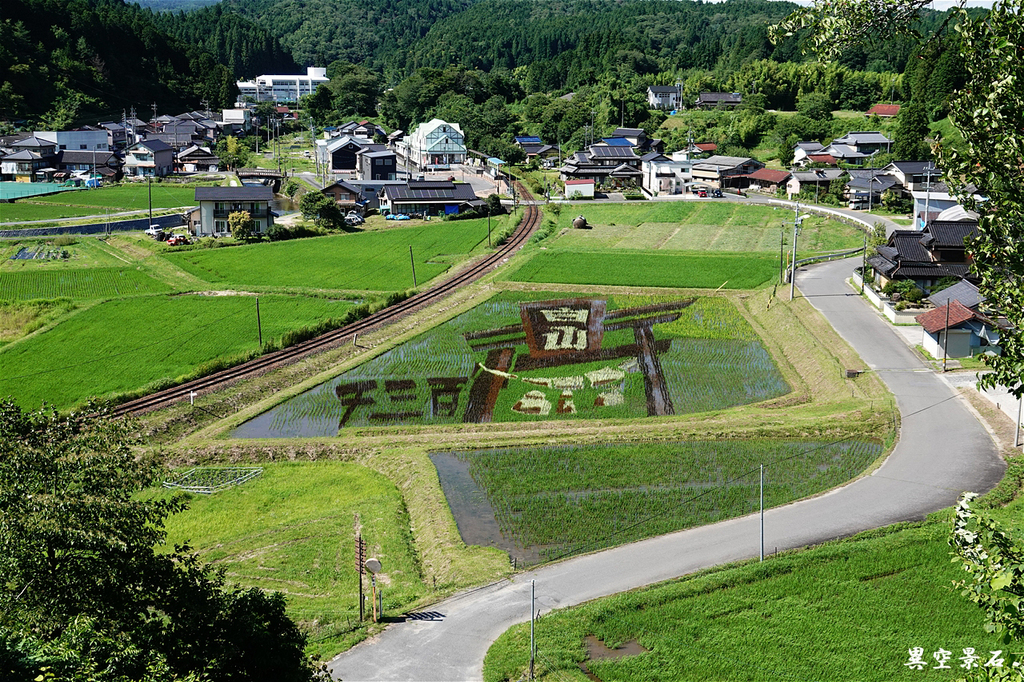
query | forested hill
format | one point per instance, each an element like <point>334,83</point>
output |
<point>599,35</point>
<point>367,32</point>
<point>62,60</point>
<point>245,47</point>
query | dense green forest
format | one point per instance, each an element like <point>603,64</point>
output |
<point>367,32</point>
<point>245,47</point>
<point>62,60</point>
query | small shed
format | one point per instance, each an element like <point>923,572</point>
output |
<point>579,189</point>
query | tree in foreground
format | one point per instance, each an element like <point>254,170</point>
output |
<point>322,209</point>
<point>988,112</point>
<point>87,592</point>
<point>240,224</point>
<point>995,563</point>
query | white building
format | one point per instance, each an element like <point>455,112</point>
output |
<point>76,140</point>
<point>663,175</point>
<point>283,88</point>
<point>434,144</point>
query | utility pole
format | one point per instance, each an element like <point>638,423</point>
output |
<point>533,615</point>
<point>762,512</point>
<point>259,326</point>
<point>149,186</point>
<point>413,262</point>
<point>945,338</point>
<point>153,106</point>
<point>797,220</point>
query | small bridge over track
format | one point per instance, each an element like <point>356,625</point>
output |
<point>268,176</point>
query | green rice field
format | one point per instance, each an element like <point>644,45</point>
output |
<point>292,530</point>
<point>78,284</point>
<point>126,344</point>
<point>375,261</point>
<point>708,356</point>
<point>561,501</point>
<point>651,269</point>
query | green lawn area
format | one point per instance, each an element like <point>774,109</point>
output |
<point>697,226</point>
<point>84,202</point>
<point>696,270</point>
<point>848,610</point>
<point>374,261</point>
<point>126,344</point>
<point>291,530</point>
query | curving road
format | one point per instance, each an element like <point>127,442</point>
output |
<point>942,451</point>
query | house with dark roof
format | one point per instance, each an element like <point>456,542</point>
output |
<point>637,138</point>
<point>348,197</point>
<point>664,97</point>
<point>428,197</point>
<point>196,159</point>
<point>914,176</point>
<point>819,180</point>
<point>864,189</point>
<point>924,257</point>
<point>858,147</point>
<point>149,158</point>
<point>725,171</point>
<point>70,162</point>
<point>883,110</point>
<point>217,203</point>
<point>963,291</point>
<point>710,100</point>
<point>32,159</point>
<point>802,149</point>
<point>606,165</point>
<point>377,162</point>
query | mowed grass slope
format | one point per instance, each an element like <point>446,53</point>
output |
<point>374,261</point>
<point>705,225</point>
<point>650,269</point>
<point>292,530</point>
<point>122,345</point>
<point>685,244</point>
<point>848,610</point>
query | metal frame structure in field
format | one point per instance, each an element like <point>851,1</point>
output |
<point>209,480</point>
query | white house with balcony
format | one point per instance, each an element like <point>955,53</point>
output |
<point>217,203</point>
<point>435,144</point>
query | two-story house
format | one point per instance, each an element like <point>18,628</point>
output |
<point>724,171</point>
<point>149,158</point>
<point>32,160</point>
<point>607,165</point>
<point>217,203</point>
<point>435,144</point>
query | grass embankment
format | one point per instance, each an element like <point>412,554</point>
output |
<point>293,529</point>
<point>847,610</point>
<point>675,270</point>
<point>123,345</point>
<point>697,226</point>
<point>374,261</point>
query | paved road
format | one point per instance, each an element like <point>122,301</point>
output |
<point>942,451</point>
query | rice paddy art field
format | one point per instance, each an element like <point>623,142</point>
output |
<point>558,501</point>
<point>125,344</point>
<point>375,261</point>
<point>538,356</point>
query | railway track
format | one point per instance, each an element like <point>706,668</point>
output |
<point>339,336</point>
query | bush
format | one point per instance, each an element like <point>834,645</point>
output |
<point>65,240</point>
<point>903,290</point>
<point>278,233</point>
